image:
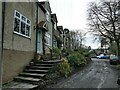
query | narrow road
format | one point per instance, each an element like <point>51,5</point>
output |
<point>99,74</point>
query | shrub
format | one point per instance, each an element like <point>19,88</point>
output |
<point>73,60</point>
<point>64,68</point>
<point>77,59</point>
<point>56,52</point>
<point>66,52</point>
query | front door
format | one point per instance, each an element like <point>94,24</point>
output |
<point>39,42</point>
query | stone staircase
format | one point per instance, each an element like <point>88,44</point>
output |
<point>35,72</point>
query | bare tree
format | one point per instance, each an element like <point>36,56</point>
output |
<point>77,38</point>
<point>103,20</point>
<point>81,37</point>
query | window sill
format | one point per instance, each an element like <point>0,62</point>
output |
<point>21,35</point>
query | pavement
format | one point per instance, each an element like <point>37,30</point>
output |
<point>99,74</point>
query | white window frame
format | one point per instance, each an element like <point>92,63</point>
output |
<point>25,22</point>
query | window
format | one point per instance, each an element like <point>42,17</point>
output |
<point>48,16</point>
<point>22,25</point>
<point>54,42</point>
<point>48,40</point>
<point>55,26</point>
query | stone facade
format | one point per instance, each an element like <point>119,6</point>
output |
<point>19,47</point>
<point>0,28</point>
<point>0,42</point>
<point>18,50</point>
<point>48,34</point>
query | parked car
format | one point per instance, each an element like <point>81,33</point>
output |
<point>102,56</point>
<point>114,60</point>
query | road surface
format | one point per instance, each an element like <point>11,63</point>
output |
<point>98,74</point>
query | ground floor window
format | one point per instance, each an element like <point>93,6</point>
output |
<point>48,38</point>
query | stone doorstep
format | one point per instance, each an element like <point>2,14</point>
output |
<point>40,64</point>
<point>32,74</point>
<point>46,61</point>
<point>19,85</point>
<point>35,70</point>
<point>28,79</point>
<point>22,85</point>
<point>52,61</point>
<point>39,67</point>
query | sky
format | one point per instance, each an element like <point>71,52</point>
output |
<point>72,14</point>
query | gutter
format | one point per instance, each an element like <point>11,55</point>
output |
<point>36,27</point>
<point>3,27</point>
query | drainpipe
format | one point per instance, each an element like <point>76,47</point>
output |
<point>2,36</point>
<point>36,27</point>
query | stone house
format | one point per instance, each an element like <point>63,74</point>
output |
<point>55,30</point>
<point>24,25</point>
<point>66,38</point>
<point>1,4</point>
<point>61,36</point>
<point>48,33</point>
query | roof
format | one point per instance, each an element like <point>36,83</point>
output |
<point>42,8</point>
<point>54,18</point>
<point>66,30</point>
<point>60,29</point>
<point>46,5</point>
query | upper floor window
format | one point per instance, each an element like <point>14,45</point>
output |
<point>55,26</point>
<point>22,25</point>
<point>48,16</point>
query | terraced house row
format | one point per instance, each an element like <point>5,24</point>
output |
<point>28,30</point>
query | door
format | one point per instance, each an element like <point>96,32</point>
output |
<point>39,42</point>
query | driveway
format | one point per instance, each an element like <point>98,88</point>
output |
<point>98,74</point>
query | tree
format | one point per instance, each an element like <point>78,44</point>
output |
<point>81,37</point>
<point>77,39</point>
<point>103,20</point>
<point>104,43</point>
<point>112,47</point>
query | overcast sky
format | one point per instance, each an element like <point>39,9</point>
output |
<point>72,14</point>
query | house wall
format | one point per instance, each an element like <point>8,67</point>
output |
<point>41,15</point>
<point>46,5</point>
<point>50,31</point>
<point>55,33</point>
<point>50,28</point>
<point>0,42</point>
<point>18,50</point>
<point>0,28</point>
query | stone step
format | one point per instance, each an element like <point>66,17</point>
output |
<point>49,61</point>
<point>13,85</point>
<point>54,61</point>
<point>39,67</point>
<point>36,71</point>
<point>36,75</point>
<point>43,64</point>
<point>27,79</point>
